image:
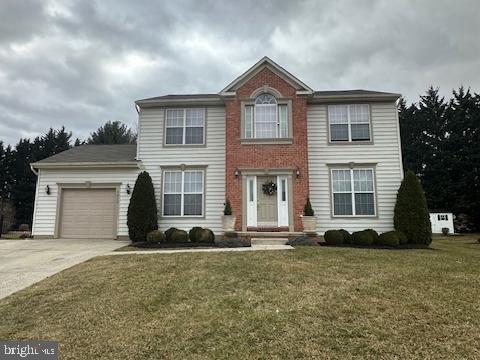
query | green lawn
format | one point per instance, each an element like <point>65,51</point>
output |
<point>306,303</point>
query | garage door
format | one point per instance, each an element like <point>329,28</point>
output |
<point>88,213</point>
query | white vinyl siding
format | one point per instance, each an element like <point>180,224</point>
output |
<point>349,122</point>
<point>44,217</point>
<point>211,158</point>
<point>384,156</point>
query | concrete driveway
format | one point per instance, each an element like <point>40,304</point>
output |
<point>25,262</point>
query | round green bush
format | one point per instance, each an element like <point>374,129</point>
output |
<point>178,236</point>
<point>347,237</point>
<point>205,236</point>
<point>374,235</point>
<point>362,238</point>
<point>389,238</point>
<point>333,237</point>
<point>402,237</point>
<point>155,236</point>
<point>168,234</point>
<point>193,233</point>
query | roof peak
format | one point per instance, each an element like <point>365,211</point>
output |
<point>265,61</point>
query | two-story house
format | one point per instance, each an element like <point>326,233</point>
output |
<point>267,141</point>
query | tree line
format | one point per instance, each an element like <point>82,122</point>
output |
<point>17,181</point>
<point>441,145</point>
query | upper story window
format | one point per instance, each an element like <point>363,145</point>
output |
<point>266,118</point>
<point>349,123</point>
<point>185,126</point>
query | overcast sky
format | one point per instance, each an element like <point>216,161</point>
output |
<point>81,63</point>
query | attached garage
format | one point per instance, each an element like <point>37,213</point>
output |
<point>84,192</point>
<point>88,213</point>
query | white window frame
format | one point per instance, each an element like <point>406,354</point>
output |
<point>349,125</point>
<point>352,192</point>
<point>184,126</point>
<point>182,193</point>
<point>277,120</point>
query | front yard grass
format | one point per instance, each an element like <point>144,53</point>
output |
<point>312,302</point>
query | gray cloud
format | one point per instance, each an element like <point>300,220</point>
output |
<point>81,63</point>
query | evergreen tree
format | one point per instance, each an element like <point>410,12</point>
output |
<point>142,209</point>
<point>411,213</point>
<point>113,133</point>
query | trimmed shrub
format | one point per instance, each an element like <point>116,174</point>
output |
<point>402,237</point>
<point>177,236</point>
<point>333,237</point>
<point>302,241</point>
<point>193,233</point>
<point>169,232</point>
<point>24,227</point>
<point>374,235</point>
<point>142,209</point>
<point>155,236</point>
<point>227,210</point>
<point>389,238</point>
<point>362,238</point>
<point>347,237</point>
<point>308,210</point>
<point>25,235</point>
<point>411,212</point>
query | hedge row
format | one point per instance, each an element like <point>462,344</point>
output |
<point>367,237</point>
<point>177,236</point>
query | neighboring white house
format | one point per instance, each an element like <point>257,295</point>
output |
<point>441,220</point>
<point>339,148</point>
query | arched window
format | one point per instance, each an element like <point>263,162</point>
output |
<point>266,118</point>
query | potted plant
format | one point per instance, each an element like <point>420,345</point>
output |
<point>228,219</point>
<point>308,219</point>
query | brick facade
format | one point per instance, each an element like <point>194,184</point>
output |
<point>261,156</point>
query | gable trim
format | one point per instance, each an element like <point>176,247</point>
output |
<point>265,62</point>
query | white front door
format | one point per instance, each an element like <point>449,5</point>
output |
<point>282,198</point>
<point>251,201</point>
<point>253,189</point>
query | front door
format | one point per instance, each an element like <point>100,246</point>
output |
<point>264,208</point>
<point>267,210</point>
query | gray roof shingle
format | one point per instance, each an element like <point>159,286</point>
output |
<point>94,154</point>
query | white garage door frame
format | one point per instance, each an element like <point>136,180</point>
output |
<point>85,186</point>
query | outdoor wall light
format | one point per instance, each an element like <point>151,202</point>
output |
<point>297,172</point>
<point>237,173</point>
<point>129,190</point>
<point>47,190</point>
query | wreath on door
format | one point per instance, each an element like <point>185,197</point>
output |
<point>269,188</point>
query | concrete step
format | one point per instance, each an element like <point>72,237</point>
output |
<point>269,241</point>
<point>261,234</point>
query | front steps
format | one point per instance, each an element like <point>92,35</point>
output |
<point>269,241</point>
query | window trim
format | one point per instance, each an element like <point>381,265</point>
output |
<point>276,140</point>
<point>184,109</point>
<point>183,170</point>
<point>374,192</point>
<point>350,141</point>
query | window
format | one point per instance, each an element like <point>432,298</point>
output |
<point>266,119</point>
<point>349,122</point>
<point>185,126</point>
<point>183,193</point>
<point>353,192</point>
<point>442,217</point>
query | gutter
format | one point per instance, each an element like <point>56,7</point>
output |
<point>83,165</point>
<point>33,169</point>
